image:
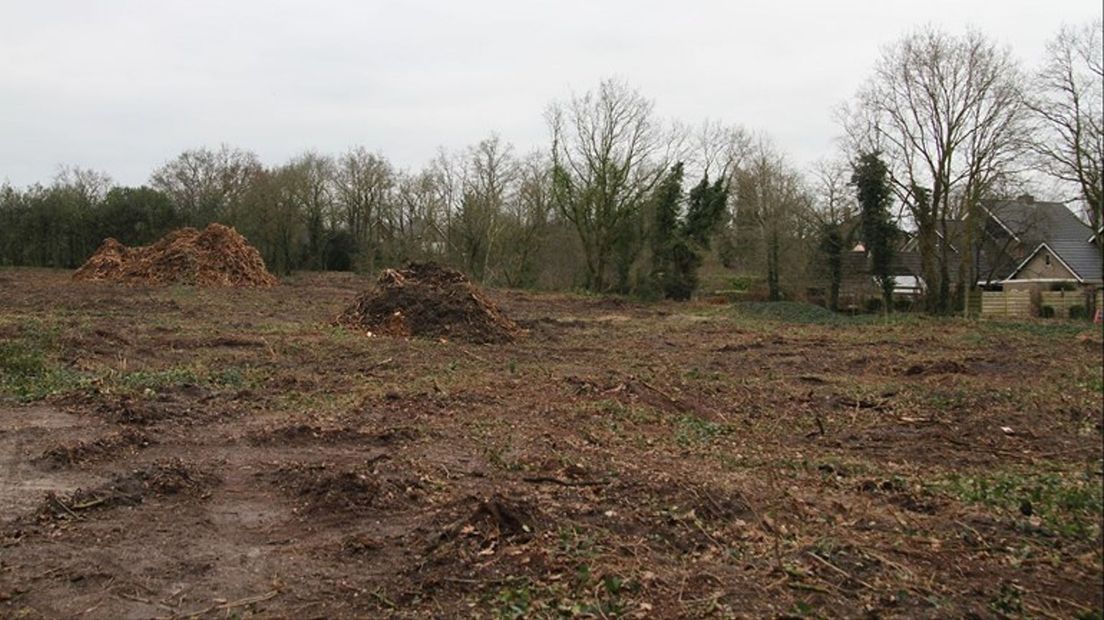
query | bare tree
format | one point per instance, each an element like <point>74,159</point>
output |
<point>526,221</point>
<point>207,185</point>
<point>833,197</point>
<point>414,228</point>
<point>718,150</point>
<point>948,115</point>
<point>1068,103</point>
<point>310,182</point>
<point>270,216</point>
<point>490,171</point>
<point>833,205</point>
<point>771,211</point>
<point>608,153</point>
<point>91,186</point>
<point>362,184</point>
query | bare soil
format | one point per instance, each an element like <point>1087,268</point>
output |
<point>192,452</point>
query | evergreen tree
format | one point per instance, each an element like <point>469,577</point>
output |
<point>678,242</point>
<point>871,180</point>
<point>665,235</point>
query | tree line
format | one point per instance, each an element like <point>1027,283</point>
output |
<point>624,201</point>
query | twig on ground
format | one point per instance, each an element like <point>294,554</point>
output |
<point>91,609</point>
<point>474,356</point>
<point>64,507</point>
<point>889,562</point>
<point>797,585</point>
<point>89,504</point>
<point>564,483</point>
<point>145,601</point>
<point>249,600</point>
<point>378,364</point>
<point>839,570</point>
<point>379,596</point>
<point>1042,612</point>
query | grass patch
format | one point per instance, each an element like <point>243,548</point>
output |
<point>28,368</point>
<point>692,430</point>
<point>810,314</point>
<point>788,312</point>
<point>1048,329</point>
<point>615,410</point>
<point>232,377</point>
<point>1067,504</point>
<point>583,595</point>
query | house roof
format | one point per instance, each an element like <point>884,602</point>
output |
<point>1052,223</point>
<point>1041,247</point>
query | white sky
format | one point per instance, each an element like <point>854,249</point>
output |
<point>123,86</point>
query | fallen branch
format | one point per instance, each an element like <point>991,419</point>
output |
<point>797,585</point>
<point>378,595</point>
<point>250,600</point>
<point>565,483</point>
<point>839,570</point>
<point>674,401</point>
<point>658,391</point>
<point>474,356</point>
<point>378,364</point>
<point>889,562</point>
<point>144,601</point>
<point>89,504</point>
<point>65,508</point>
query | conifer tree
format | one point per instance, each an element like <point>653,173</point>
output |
<point>871,180</point>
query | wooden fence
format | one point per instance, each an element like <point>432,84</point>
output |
<point>1006,303</point>
<point>1062,301</point>
<point>1017,303</point>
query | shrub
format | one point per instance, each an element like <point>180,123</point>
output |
<point>787,311</point>
<point>873,305</point>
<point>1046,312</point>
<point>1078,312</point>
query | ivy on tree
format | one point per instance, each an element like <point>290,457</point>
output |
<point>871,180</point>
<point>680,238</point>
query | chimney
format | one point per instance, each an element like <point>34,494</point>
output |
<point>1027,198</point>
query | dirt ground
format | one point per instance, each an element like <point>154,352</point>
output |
<point>178,452</point>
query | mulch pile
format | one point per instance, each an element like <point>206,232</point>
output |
<point>429,301</point>
<point>217,256</point>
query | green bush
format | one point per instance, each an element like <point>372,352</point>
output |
<point>1046,312</point>
<point>873,305</point>
<point>787,311</point>
<point>902,305</point>
<point>743,283</point>
<point>1078,312</point>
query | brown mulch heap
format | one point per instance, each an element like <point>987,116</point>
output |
<point>430,301</point>
<point>217,256</point>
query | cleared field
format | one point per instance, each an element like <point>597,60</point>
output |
<point>171,452</point>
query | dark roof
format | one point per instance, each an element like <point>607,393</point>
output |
<point>1034,223</point>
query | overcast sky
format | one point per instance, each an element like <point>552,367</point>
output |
<point>123,86</point>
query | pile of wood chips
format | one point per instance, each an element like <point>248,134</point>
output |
<point>429,301</point>
<point>217,256</point>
